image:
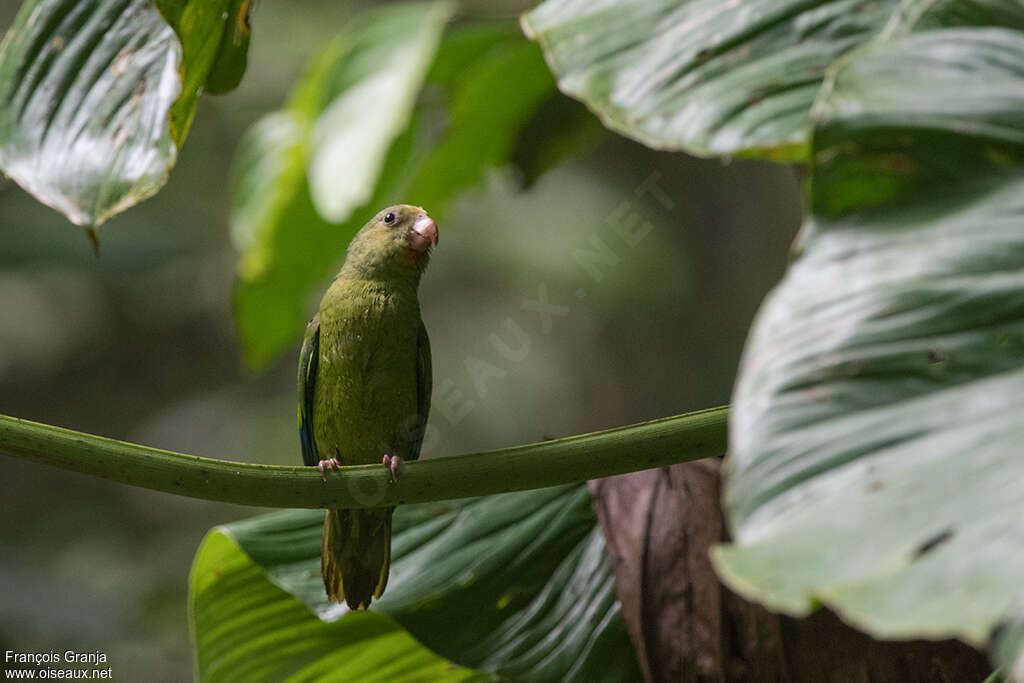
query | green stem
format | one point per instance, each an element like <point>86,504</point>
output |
<point>549,463</point>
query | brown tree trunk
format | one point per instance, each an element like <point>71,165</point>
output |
<point>686,626</point>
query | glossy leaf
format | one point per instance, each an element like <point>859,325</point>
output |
<point>214,37</point>
<point>245,628</point>
<point>516,584</point>
<point>92,106</point>
<point>233,54</point>
<point>446,139</point>
<point>84,92</point>
<point>701,75</point>
<point>875,436</point>
<point>926,15</point>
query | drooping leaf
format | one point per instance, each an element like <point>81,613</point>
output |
<point>287,246</point>
<point>85,87</point>
<point>371,92</point>
<point>517,585</point>
<point>214,37</point>
<point>442,143</point>
<point>270,195</point>
<point>92,103</point>
<point>495,95</point>
<point>560,129</point>
<point>233,55</point>
<point>875,437</point>
<point>701,75</point>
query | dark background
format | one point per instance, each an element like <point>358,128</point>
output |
<point>138,344</point>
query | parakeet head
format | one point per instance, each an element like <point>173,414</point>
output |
<point>395,243</point>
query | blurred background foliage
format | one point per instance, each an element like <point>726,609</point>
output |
<point>140,343</point>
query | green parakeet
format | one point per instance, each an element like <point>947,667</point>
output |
<point>364,387</point>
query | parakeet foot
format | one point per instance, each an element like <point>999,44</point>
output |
<point>333,463</point>
<point>393,463</point>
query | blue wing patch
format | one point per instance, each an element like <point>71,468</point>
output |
<point>309,359</point>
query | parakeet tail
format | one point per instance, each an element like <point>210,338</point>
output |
<point>356,555</point>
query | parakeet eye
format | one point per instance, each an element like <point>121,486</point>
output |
<point>389,219</point>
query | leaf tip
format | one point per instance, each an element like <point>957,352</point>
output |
<point>93,236</point>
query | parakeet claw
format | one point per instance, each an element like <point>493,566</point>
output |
<point>393,463</point>
<point>333,463</point>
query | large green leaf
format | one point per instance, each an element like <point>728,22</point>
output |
<point>92,109</point>
<point>480,135</point>
<point>875,437</point>
<point>325,159</point>
<point>368,99</point>
<point>705,76</point>
<point>517,585</point>
<point>287,247</point>
<point>84,92</point>
<point>245,628</point>
<point>214,37</point>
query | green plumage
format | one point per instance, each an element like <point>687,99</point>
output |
<point>364,386</point>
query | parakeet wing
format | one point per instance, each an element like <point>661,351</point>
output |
<point>309,359</point>
<point>424,385</point>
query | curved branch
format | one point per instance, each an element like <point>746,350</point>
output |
<point>549,463</point>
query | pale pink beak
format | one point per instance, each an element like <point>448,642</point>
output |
<point>425,233</point>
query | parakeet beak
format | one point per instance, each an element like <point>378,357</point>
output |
<point>424,233</point>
